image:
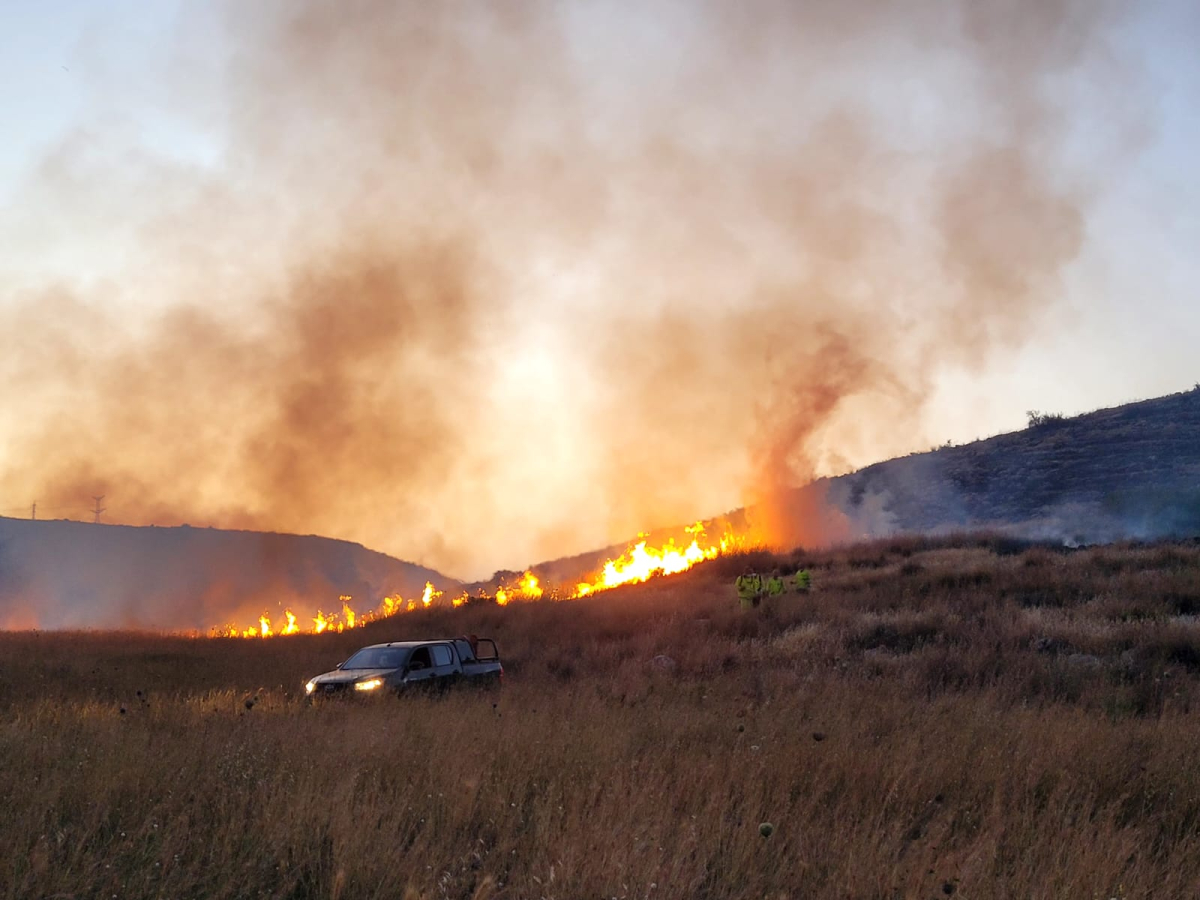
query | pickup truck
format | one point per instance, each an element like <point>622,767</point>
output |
<point>402,665</point>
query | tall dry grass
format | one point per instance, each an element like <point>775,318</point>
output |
<point>963,717</point>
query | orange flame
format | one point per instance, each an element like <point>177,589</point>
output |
<point>639,563</point>
<point>527,587</point>
<point>333,622</point>
<point>430,594</point>
<point>531,588</point>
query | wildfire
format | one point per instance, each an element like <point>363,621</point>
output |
<point>322,621</point>
<point>430,594</point>
<point>639,563</point>
<point>528,587</point>
<point>531,589</point>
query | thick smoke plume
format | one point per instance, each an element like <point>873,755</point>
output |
<point>478,284</point>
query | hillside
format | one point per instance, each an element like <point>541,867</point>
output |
<point>1131,471</point>
<point>57,574</point>
<point>954,717</point>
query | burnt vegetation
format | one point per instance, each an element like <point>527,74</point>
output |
<point>933,712</point>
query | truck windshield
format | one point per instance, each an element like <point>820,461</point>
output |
<point>376,658</point>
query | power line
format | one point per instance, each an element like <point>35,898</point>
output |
<point>97,509</point>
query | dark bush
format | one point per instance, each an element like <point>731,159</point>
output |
<point>895,637</point>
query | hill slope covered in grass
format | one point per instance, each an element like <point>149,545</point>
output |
<point>1132,471</point>
<point>970,717</point>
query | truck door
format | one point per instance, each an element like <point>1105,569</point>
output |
<point>443,662</point>
<point>420,667</point>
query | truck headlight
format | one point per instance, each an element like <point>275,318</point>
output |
<point>310,687</point>
<point>369,685</point>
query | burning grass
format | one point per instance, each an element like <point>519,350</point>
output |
<point>909,728</point>
<point>640,562</point>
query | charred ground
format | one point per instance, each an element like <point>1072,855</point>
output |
<point>974,714</point>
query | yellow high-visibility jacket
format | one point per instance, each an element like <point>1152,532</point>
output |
<point>749,586</point>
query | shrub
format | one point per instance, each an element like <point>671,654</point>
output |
<point>1041,420</point>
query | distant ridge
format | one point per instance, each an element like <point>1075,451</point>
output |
<point>59,574</point>
<point>1131,471</point>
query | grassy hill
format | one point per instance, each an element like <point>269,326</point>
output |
<point>1132,471</point>
<point>965,717</point>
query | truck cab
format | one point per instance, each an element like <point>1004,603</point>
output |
<point>396,666</point>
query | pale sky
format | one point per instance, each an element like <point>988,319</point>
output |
<point>140,169</point>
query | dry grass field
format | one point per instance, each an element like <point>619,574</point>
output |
<point>966,717</point>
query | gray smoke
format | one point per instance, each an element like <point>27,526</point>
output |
<point>482,284</point>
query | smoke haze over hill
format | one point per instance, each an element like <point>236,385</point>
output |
<point>57,575</point>
<point>480,285</point>
<point>1128,472</point>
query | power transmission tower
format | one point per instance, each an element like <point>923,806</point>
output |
<point>98,509</point>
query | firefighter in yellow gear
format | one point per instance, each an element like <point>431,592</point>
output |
<point>802,581</point>
<point>775,585</point>
<point>750,589</point>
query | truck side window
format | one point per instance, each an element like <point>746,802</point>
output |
<point>419,659</point>
<point>441,655</point>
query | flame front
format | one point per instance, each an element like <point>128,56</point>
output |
<point>639,563</point>
<point>334,622</point>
